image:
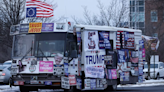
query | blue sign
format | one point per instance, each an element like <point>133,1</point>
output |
<point>79,83</point>
<point>47,27</point>
<point>48,83</point>
<point>141,43</point>
<point>93,83</point>
<point>121,56</point>
<point>66,69</point>
<point>78,37</point>
<point>31,12</point>
<point>104,42</point>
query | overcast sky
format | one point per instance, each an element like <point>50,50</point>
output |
<point>74,7</point>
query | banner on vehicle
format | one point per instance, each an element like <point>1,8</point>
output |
<point>94,72</point>
<point>47,27</point>
<point>121,56</point>
<point>91,40</point>
<point>46,66</point>
<point>35,27</point>
<point>129,40</point>
<point>104,42</point>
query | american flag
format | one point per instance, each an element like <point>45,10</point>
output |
<point>118,44</point>
<point>36,8</point>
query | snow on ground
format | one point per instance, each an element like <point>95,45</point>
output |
<point>6,88</point>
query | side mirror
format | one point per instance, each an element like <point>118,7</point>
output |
<point>160,67</point>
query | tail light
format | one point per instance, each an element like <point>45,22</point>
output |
<point>3,74</point>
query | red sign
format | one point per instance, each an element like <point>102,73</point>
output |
<point>72,80</point>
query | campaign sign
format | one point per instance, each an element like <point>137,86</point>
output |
<point>46,66</point>
<point>66,69</point>
<point>108,59</point>
<point>94,60</point>
<point>121,56</point>
<point>141,43</point>
<point>94,72</point>
<point>91,40</point>
<point>72,80</point>
<point>114,73</point>
<point>104,42</point>
<point>124,76</point>
<point>143,52</point>
<point>93,83</point>
<point>78,37</point>
<point>79,83</point>
<point>129,40</point>
<point>140,70</point>
<point>24,28</point>
<point>47,27</point>
<point>126,55</point>
<point>140,79</point>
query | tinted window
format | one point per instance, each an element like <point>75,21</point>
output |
<point>9,68</point>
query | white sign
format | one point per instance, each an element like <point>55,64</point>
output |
<point>91,40</point>
<point>65,82</point>
<point>94,72</point>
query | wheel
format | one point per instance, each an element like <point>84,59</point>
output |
<point>72,89</point>
<point>23,89</point>
<point>158,77</point>
<point>111,88</point>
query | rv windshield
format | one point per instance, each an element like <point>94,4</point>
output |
<point>22,44</point>
<point>49,44</point>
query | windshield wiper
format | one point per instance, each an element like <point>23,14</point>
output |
<point>43,54</point>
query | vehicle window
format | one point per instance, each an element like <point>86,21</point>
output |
<point>9,68</point>
<point>7,63</point>
<point>2,67</point>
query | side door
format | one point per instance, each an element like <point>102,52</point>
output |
<point>161,69</point>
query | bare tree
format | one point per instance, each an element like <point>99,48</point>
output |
<point>111,15</point>
<point>13,13</point>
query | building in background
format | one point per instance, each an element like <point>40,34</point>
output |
<point>137,14</point>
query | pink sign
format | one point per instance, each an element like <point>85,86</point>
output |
<point>46,66</point>
<point>143,52</point>
<point>114,73</point>
<point>72,80</point>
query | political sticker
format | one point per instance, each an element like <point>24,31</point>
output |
<point>108,59</point>
<point>24,28</point>
<point>78,37</point>
<point>104,42</point>
<point>121,56</point>
<point>87,83</point>
<point>32,68</point>
<point>109,74</point>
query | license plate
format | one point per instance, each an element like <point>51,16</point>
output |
<point>48,83</point>
<point>13,71</point>
<point>34,82</point>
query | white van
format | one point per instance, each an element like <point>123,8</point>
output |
<point>159,70</point>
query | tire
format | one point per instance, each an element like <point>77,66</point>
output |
<point>111,88</point>
<point>72,89</point>
<point>23,89</point>
<point>158,77</point>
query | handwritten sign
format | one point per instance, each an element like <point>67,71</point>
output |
<point>35,27</point>
<point>46,66</point>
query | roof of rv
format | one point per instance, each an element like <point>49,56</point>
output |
<point>106,28</point>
